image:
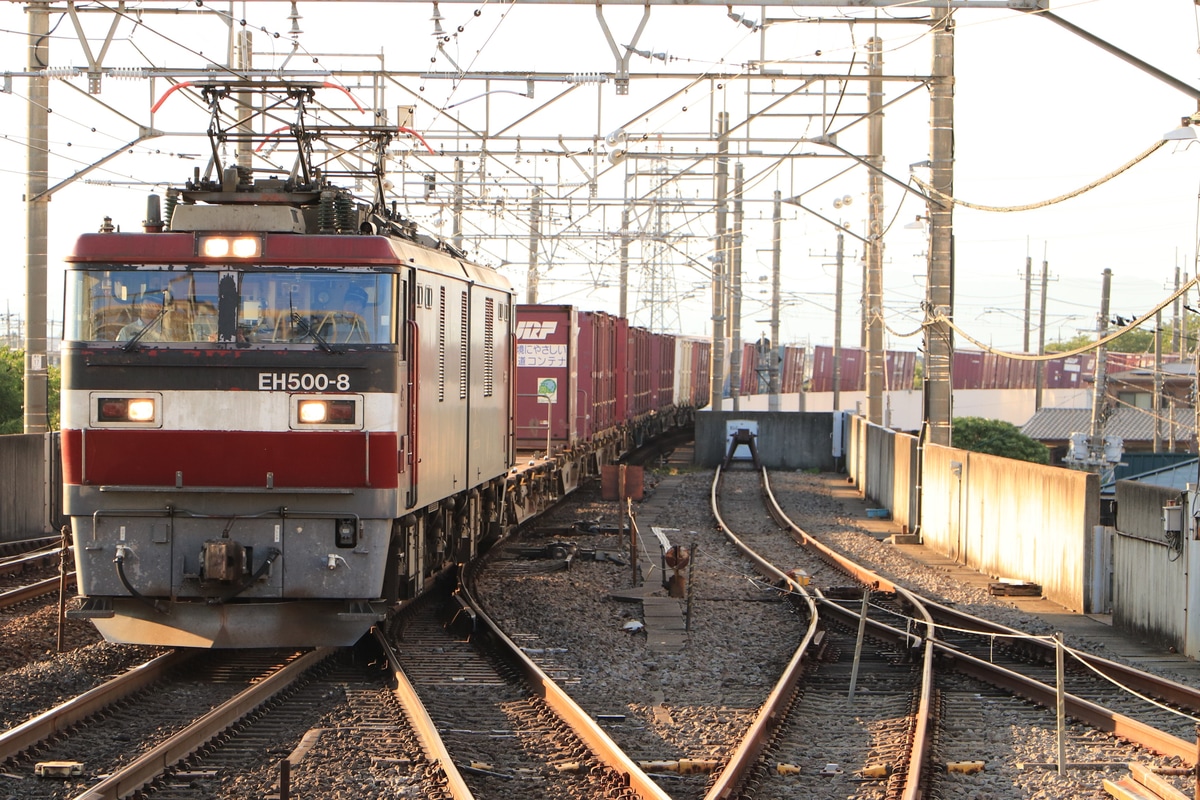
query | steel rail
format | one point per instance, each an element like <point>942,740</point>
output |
<point>1164,689</point>
<point>922,732</point>
<point>159,759</point>
<point>19,739</point>
<point>773,711</point>
<point>423,725</point>
<point>22,593</point>
<point>1078,708</point>
<point>580,722</point>
<point>18,563</point>
<point>1043,694</point>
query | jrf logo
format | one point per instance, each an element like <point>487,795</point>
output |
<point>527,329</point>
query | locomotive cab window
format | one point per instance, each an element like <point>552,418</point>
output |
<point>303,308</point>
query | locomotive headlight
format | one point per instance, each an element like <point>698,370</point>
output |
<point>245,248</point>
<point>311,411</point>
<point>224,246</point>
<point>214,247</point>
<point>141,410</point>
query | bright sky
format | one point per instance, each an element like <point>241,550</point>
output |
<point>1038,112</point>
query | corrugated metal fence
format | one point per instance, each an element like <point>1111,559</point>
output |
<point>29,489</point>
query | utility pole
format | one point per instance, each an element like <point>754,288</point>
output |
<point>1100,385</point>
<point>837,325</point>
<point>36,219</point>
<point>1028,293</point>
<point>535,244</point>
<point>735,315</point>
<point>874,286</point>
<point>241,58</point>
<point>939,338</point>
<point>1177,322</point>
<point>457,231</point>
<point>623,304</point>
<point>773,354</point>
<point>1040,377</point>
<point>1158,382</point>
<point>716,395</point>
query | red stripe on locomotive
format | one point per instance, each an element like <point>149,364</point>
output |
<point>295,459</point>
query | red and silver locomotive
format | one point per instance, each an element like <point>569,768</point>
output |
<point>283,410</point>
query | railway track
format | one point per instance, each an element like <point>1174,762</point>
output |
<point>35,563</point>
<point>506,732</point>
<point>1098,735</point>
<point>126,733</point>
<point>191,725</point>
<point>857,714</point>
<point>512,731</point>
<point>679,710</point>
<point>33,591</point>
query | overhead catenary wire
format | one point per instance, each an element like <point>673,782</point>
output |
<point>1149,151</point>
<point>1183,289</point>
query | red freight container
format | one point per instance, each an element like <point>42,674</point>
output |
<point>748,380</point>
<point>1071,372</point>
<point>791,370</point>
<point>702,357</point>
<point>851,378</point>
<point>547,370</point>
<point>899,369</point>
<point>569,356</point>
<point>637,373</point>
<point>623,377</point>
<point>597,372</point>
<point>663,372</point>
<point>966,370</point>
<point>756,368</point>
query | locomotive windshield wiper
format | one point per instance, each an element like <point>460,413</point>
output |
<point>306,327</point>
<point>137,337</point>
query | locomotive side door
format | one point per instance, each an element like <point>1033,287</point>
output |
<point>405,384</point>
<point>406,542</point>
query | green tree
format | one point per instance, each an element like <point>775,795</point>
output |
<point>997,438</point>
<point>12,392</point>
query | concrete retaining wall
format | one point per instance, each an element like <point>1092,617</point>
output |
<point>786,439</point>
<point>1013,519</point>
<point>883,464</point>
